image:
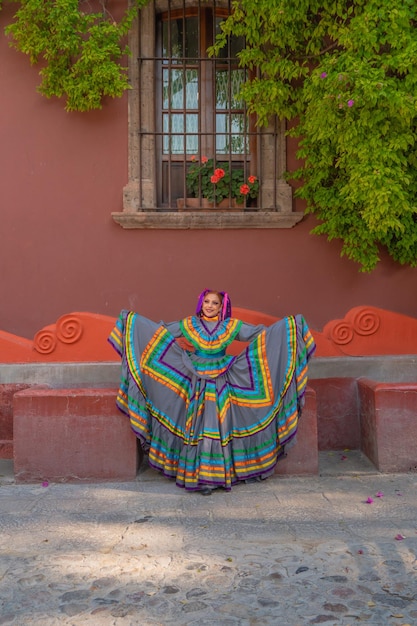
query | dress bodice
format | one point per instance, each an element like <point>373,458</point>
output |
<point>210,339</point>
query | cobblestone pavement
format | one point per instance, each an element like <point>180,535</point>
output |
<point>289,551</point>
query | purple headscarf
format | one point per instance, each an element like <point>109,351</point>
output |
<point>226,308</point>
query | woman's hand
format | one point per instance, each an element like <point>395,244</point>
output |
<point>184,344</point>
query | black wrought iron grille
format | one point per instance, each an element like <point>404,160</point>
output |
<point>199,114</point>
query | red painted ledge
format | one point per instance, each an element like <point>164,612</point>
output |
<point>82,337</point>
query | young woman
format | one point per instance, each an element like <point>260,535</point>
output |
<point>206,418</point>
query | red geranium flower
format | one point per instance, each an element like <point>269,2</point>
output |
<point>215,181</point>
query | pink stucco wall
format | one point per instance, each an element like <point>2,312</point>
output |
<point>61,176</point>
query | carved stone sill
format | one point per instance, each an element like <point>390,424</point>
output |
<point>207,220</point>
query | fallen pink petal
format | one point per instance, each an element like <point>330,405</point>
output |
<point>45,483</point>
<point>369,501</point>
<point>350,103</point>
<point>323,75</point>
<point>380,494</point>
<point>399,537</point>
<point>343,457</point>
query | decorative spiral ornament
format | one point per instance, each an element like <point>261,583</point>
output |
<point>341,333</point>
<point>44,342</point>
<point>69,329</point>
<point>366,322</point>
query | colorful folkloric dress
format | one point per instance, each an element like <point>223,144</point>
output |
<point>207,418</point>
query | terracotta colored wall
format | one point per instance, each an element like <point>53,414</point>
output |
<point>62,174</point>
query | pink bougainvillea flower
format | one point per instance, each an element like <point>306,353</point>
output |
<point>45,483</point>
<point>244,189</point>
<point>380,494</point>
<point>369,501</point>
<point>399,537</point>
<point>214,179</point>
<point>252,179</point>
<point>204,159</point>
<point>323,75</point>
<point>351,103</point>
<point>219,173</point>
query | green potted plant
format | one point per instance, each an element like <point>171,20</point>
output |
<point>218,184</point>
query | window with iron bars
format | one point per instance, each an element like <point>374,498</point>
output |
<point>204,131</point>
<point>184,109</point>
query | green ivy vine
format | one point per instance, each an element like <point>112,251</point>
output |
<point>80,50</point>
<point>346,71</point>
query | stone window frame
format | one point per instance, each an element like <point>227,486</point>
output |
<point>139,195</point>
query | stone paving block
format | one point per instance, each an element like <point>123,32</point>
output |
<point>299,551</point>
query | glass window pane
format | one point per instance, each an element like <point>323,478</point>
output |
<point>191,139</point>
<point>227,88</point>
<point>180,38</point>
<point>174,83</point>
<point>191,38</point>
<point>175,133</point>
<point>236,43</point>
<point>191,89</point>
<point>230,137</point>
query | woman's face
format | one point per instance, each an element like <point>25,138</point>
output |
<point>211,305</point>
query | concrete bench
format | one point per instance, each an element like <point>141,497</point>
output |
<point>69,435</point>
<point>303,457</point>
<point>7,392</point>
<point>388,423</point>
